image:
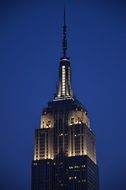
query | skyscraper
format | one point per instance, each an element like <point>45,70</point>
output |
<point>64,151</point>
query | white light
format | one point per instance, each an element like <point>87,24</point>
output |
<point>63,80</point>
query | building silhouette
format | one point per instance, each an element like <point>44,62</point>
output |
<point>64,150</point>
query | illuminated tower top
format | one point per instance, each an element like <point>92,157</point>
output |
<point>64,88</point>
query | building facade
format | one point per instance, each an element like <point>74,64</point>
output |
<point>65,149</point>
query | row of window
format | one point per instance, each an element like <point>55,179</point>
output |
<point>72,167</point>
<point>75,177</point>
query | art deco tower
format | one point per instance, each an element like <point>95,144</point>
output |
<point>64,151</point>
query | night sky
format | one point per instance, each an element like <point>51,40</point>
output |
<point>30,48</point>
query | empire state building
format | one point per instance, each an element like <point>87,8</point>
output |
<point>65,148</point>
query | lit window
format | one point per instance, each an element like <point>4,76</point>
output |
<point>83,180</point>
<point>70,167</point>
<point>61,134</point>
<point>75,177</point>
<point>83,166</point>
<point>35,164</point>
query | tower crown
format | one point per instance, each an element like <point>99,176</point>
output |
<point>64,90</point>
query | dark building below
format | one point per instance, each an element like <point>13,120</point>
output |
<point>74,173</point>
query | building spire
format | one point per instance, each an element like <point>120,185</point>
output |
<point>64,90</point>
<point>64,35</point>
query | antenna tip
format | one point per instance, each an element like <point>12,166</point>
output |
<point>64,35</point>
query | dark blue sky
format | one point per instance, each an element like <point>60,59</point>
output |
<point>30,48</point>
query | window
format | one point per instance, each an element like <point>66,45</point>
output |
<point>72,120</point>
<point>83,166</point>
<point>35,164</point>
<point>83,180</point>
